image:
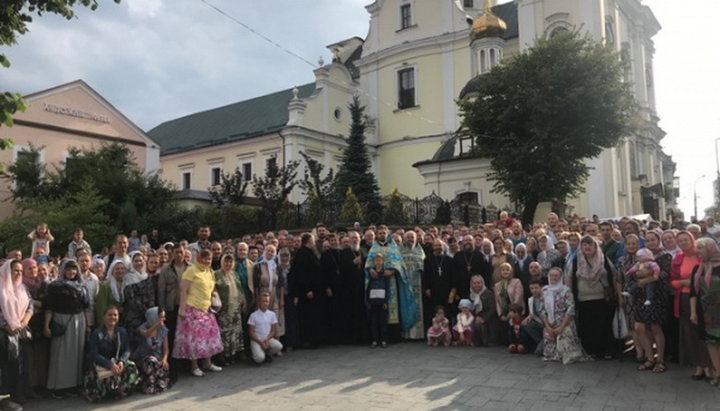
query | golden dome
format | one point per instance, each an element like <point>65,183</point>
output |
<point>487,24</point>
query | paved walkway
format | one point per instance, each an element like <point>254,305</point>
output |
<point>414,376</point>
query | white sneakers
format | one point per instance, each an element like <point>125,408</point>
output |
<point>214,368</point>
<point>198,372</point>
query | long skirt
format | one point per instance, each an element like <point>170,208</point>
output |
<point>594,326</point>
<point>197,335</point>
<point>66,353</point>
<point>231,331</point>
<point>38,352</point>
<point>692,349</point>
<point>154,379</point>
<point>292,326</point>
<point>115,387</point>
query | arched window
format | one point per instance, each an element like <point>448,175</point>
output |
<point>492,58</point>
<point>483,62</point>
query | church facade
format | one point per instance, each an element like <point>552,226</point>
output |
<point>417,59</point>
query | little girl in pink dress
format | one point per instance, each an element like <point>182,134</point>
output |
<point>439,332</point>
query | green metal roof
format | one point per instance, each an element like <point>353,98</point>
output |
<point>237,121</point>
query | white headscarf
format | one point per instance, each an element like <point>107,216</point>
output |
<point>14,299</point>
<point>133,276</point>
<point>549,293</point>
<point>475,297</point>
<point>117,293</point>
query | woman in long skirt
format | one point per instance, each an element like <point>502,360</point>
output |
<point>230,315</point>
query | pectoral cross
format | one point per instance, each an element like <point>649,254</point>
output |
<point>439,271</point>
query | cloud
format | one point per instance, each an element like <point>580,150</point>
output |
<point>157,61</point>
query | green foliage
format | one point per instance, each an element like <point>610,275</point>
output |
<point>81,209</point>
<point>546,111</point>
<point>312,183</point>
<point>395,213</point>
<point>355,170</point>
<point>272,189</point>
<point>111,170</point>
<point>231,190</point>
<point>27,173</point>
<point>351,210</point>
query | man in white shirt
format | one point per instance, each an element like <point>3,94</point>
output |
<point>262,328</point>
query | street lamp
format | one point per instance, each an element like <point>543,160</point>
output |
<point>695,194</point>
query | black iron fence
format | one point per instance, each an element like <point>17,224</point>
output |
<point>401,210</point>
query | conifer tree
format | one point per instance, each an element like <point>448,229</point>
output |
<point>354,170</point>
<point>351,209</point>
<point>395,213</point>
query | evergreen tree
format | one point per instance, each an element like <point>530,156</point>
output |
<point>351,210</point>
<point>395,213</point>
<point>355,171</point>
<point>318,189</point>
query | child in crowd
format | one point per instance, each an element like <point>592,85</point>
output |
<point>645,267</point>
<point>462,331</point>
<point>78,242</point>
<point>439,332</point>
<point>262,329</point>
<point>41,237</point>
<point>532,326</point>
<point>377,292</point>
<point>515,335</point>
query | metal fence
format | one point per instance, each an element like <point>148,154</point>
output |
<point>424,211</point>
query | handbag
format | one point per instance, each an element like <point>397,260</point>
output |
<point>57,329</point>
<point>102,372</point>
<point>619,324</point>
<point>215,301</point>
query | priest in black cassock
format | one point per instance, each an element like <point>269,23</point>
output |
<point>305,268</point>
<point>467,262</point>
<point>355,324</point>
<point>332,284</point>
<point>437,282</point>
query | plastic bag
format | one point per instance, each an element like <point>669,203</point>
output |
<point>619,324</point>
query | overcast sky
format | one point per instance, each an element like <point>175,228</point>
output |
<point>156,60</point>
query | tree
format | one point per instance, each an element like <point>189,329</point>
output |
<point>112,170</point>
<point>395,213</point>
<point>81,209</point>
<point>351,209</point>
<point>320,191</point>
<point>27,173</point>
<point>539,116</point>
<point>231,190</point>
<point>273,189</point>
<point>15,15</point>
<point>355,165</point>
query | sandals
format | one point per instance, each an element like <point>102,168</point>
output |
<point>646,366</point>
<point>659,368</point>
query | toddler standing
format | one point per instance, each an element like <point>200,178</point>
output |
<point>462,331</point>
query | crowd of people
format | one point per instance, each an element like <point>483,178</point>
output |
<point>136,315</point>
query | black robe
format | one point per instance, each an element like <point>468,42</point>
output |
<point>333,315</point>
<point>461,275</point>
<point>352,297</point>
<point>437,278</point>
<point>306,274</point>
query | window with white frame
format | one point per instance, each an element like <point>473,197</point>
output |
<point>405,16</point>
<point>186,180</point>
<point>215,176</point>
<point>406,88</point>
<point>270,162</point>
<point>247,171</point>
<point>468,3</point>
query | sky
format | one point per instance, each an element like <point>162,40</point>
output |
<point>156,60</point>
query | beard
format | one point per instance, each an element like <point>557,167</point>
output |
<point>468,248</point>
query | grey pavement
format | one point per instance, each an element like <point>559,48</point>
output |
<point>415,376</point>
